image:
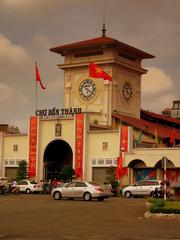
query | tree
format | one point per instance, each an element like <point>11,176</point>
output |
<point>67,174</point>
<point>111,179</point>
<point>111,174</point>
<point>22,170</point>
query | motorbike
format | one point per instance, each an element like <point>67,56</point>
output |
<point>159,193</point>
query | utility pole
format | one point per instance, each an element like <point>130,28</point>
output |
<point>165,186</point>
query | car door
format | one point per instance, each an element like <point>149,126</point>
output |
<point>79,189</point>
<point>138,188</point>
<point>68,190</point>
<point>22,185</point>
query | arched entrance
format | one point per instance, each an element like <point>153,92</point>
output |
<point>58,154</point>
<point>139,170</point>
<point>172,173</point>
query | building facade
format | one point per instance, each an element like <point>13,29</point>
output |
<point>87,133</point>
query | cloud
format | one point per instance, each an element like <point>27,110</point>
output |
<point>21,4</point>
<point>157,90</point>
<point>9,95</point>
<point>11,55</point>
<point>156,81</point>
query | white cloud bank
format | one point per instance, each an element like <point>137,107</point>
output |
<point>157,90</point>
<point>10,54</point>
<point>8,94</point>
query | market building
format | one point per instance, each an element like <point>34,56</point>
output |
<point>101,124</point>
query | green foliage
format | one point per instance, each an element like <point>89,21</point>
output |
<point>111,174</point>
<point>161,206</point>
<point>22,171</point>
<point>111,179</point>
<point>67,174</point>
<point>176,189</point>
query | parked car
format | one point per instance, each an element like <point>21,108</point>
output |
<point>83,190</point>
<point>142,187</point>
<point>28,187</point>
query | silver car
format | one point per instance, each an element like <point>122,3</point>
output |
<point>83,190</point>
<point>142,187</point>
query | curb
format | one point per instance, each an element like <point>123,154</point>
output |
<point>161,215</point>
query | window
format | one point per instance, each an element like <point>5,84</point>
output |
<point>105,145</point>
<point>15,147</point>
<point>81,184</point>
<point>72,184</point>
<point>88,54</point>
<point>11,162</point>
<point>58,128</point>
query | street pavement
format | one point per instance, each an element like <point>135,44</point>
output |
<point>39,217</point>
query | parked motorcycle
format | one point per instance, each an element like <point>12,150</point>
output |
<point>159,193</point>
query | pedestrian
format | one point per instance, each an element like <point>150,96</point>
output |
<point>14,187</point>
<point>54,183</point>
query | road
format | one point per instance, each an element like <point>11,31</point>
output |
<point>39,217</point>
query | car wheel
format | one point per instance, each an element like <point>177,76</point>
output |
<point>87,196</point>
<point>128,194</point>
<point>57,195</point>
<point>28,191</point>
<point>100,199</point>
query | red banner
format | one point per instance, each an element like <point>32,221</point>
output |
<point>79,145</point>
<point>32,146</point>
<point>124,139</point>
<point>120,170</point>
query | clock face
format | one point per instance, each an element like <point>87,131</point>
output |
<point>127,91</point>
<point>87,89</point>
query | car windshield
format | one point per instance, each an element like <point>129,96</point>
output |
<point>33,182</point>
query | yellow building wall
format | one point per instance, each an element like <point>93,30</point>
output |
<point>95,148</point>
<point>23,148</point>
<point>47,135</point>
<point>152,155</point>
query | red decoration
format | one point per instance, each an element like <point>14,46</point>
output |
<point>32,147</point>
<point>38,79</point>
<point>79,145</point>
<point>96,72</point>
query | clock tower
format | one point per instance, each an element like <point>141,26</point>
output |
<point>99,97</point>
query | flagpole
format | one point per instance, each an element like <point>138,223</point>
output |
<point>165,187</point>
<point>36,97</point>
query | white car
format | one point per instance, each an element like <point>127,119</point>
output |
<point>27,186</point>
<point>142,187</point>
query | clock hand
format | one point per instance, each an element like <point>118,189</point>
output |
<point>87,88</point>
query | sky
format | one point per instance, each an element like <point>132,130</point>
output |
<point>29,28</point>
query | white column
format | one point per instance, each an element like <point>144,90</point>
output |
<point>68,95</point>
<point>106,101</point>
<point>165,187</point>
<point>1,155</point>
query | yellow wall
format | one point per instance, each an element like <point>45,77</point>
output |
<point>94,148</point>
<point>47,135</point>
<point>21,141</point>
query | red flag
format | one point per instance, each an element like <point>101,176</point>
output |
<point>119,168</point>
<point>38,79</point>
<point>97,72</point>
<point>172,136</point>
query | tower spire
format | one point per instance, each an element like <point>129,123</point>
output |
<point>104,28</point>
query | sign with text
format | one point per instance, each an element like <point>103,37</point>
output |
<point>32,147</point>
<point>79,145</point>
<point>56,112</point>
